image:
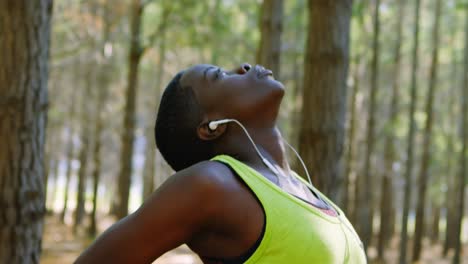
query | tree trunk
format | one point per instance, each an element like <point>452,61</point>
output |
<point>411,132</point>
<point>92,230</point>
<point>351,138</point>
<point>461,179</point>
<point>69,156</point>
<point>49,183</point>
<point>158,169</point>
<point>366,205</point>
<point>53,199</point>
<point>435,230</point>
<point>150,162</point>
<point>393,220</point>
<point>48,165</point>
<point>24,49</point>
<point>324,100</point>
<point>426,155</point>
<point>47,168</point>
<point>135,54</point>
<point>296,86</point>
<point>450,195</point>
<point>100,102</point>
<point>357,75</point>
<point>51,158</point>
<point>386,202</point>
<point>85,124</point>
<point>271,27</point>
<point>103,83</point>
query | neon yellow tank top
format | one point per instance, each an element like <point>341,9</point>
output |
<point>295,231</point>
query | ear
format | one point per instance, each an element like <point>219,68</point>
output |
<point>205,133</point>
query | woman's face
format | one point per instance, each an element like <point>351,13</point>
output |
<point>245,93</point>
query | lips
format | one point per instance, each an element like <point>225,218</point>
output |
<point>262,72</point>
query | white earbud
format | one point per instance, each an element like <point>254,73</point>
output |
<point>213,125</point>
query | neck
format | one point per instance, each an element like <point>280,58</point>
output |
<point>267,139</point>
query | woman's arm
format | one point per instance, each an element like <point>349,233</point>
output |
<point>170,217</point>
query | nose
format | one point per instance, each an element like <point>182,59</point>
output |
<point>243,68</point>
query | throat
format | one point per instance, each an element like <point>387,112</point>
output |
<point>270,144</point>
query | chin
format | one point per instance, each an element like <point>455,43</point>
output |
<point>279,84</point>
<point>276,94</point>
<point>271,82</point>
<point>277,87</point>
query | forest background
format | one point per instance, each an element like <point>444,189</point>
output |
<point>376,103</point>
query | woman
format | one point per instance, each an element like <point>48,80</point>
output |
<point>233,198</point>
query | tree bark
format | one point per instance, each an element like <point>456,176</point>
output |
<point>103,83</point>
<point>48,182</point>
<point>296,87</point>
<point>83,156</point>
<point>47,168</point>
<point>351,150</point>
<point>426,155</point>
<point>271,27</point>
<point>96,173</point>
<point>151,152</point>
<point>411,132</point>
<point>324,94</point>
<point>53,198</point>
<point>351,166</point>
<point>386,202</point>
<point>150,164</point>
<point>53,131</point>
<point>435,230</point>
<point>69,156</point>
<point>366,205</point>
<point>24,49</point>
<point>461,179</point>
<point>351,138</point>
<point>135,54</point>
<point>51,159</point>
<point>101,98</point>
<point>450,195</point>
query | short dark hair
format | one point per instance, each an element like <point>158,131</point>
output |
<point>176,125</point>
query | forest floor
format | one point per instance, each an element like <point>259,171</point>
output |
<point>60,246</point>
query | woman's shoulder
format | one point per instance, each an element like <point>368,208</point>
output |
<point>212,176</point>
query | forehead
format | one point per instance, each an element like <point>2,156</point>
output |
<point>195,74</point>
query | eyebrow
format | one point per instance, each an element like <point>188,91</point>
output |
<point>206,70</point>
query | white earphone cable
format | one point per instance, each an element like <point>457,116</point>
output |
<point>264,160</point>
<point>300,159</point>
<point>213,125</point>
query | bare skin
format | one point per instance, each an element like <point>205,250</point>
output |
<point>207,206</point>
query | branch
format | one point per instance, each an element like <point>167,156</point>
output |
<point>162,26</point>
<point>70,52</point>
